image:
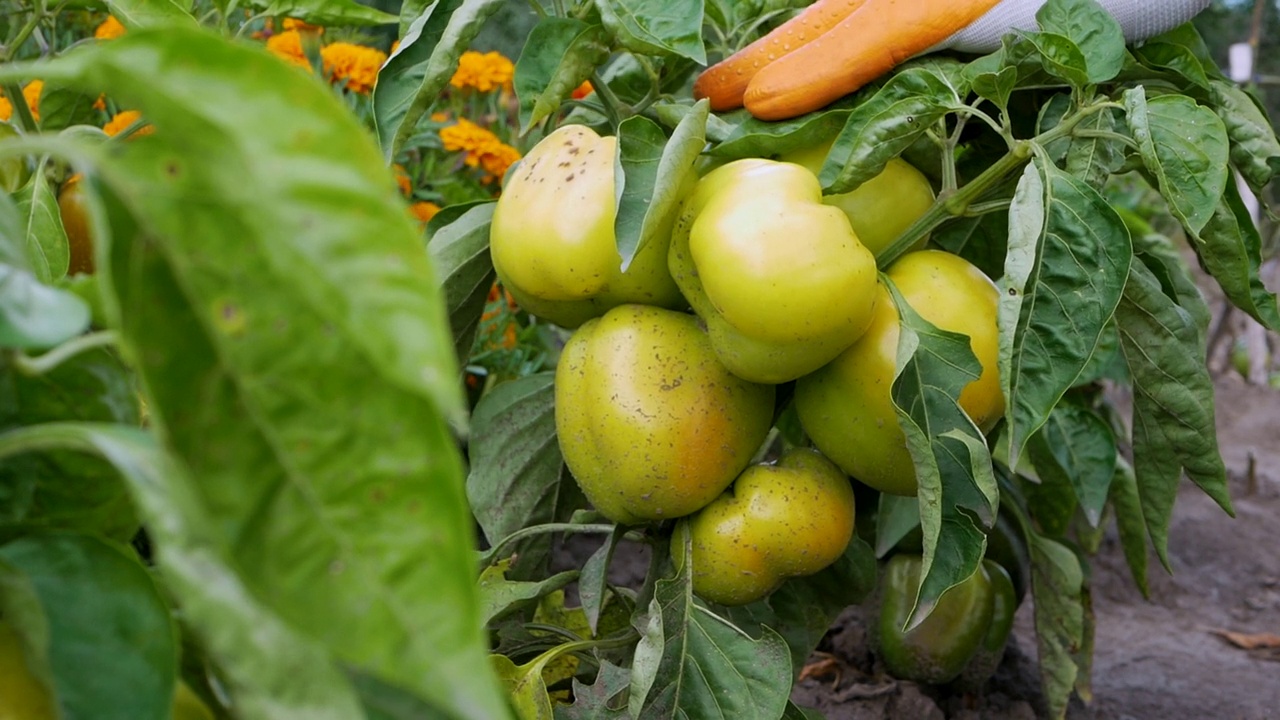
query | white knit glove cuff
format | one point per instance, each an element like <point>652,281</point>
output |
<point>1140,20</point>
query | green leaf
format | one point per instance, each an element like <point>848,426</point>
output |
<point>883,126</point>
<point>1095,159</point>
<point>653,175</point>
<point>325,12</point>
<point>896,517</point>
<point>1056,586</point>
<point>525,687</point>
<point>459,250</point>
<point>499,596</point>
<point>1130,525</point>
<point>1091,29</point>
<point>518,478</point>
<point>97,621</point>
<point>237,267</point>
<point>693,664</point>
<point>1075,447</point>
<point>738,134</point>
<point>1185,146</point>
<point>993,84</point>
<point>382,701</point>
<point>1231,251</point>
<point>273,672</point>
<point>1069,254</point>
<point>795,712</point>
<point>135,14</point>
<point>1255,151</point>
<point>599,700</point>
<point>1061,57</point>
<point>418,72</point>
<point>982,240</point>
<point>1016,64</point>
<point>592,585</point>
<point>631,81</point>
<point>1182,52</point>
<point>1175,59</point>
<point>559,54</point>
<point>1173,412</point>
<point>803,609</point>
<point>656,27</point>
<point>66,490</point>
<point>47,247</point>
<point>35,316</point>
<point>957,489</point>
<point>63,107</point>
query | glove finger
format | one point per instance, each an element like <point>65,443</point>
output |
<point>1140,19</point>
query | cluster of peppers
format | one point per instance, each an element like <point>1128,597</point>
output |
<point>659,411</point>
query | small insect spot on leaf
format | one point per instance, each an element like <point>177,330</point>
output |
<point>1013,292</point>
<point>171,169</point>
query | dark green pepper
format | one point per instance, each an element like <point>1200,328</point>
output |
<point>963,621</point>
<point>990,651</point>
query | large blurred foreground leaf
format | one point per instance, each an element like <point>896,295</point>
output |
<point>274,672</point>
<point>277,303</point>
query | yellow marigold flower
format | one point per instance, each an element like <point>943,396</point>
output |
<point>395,45</point>
<point>301,26</point>
<point>484,72</point>
<point>583,90</point>
<point>424,211</point>
<point>288,45</point>
<point>30,93</point>
<point>100,103</point>
<point>496,161</point>
<point>439,116</point>
<point>123,120</point>
<point>109,29</point>
<point>357,65</point>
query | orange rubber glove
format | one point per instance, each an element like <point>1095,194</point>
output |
<point>834,47</point>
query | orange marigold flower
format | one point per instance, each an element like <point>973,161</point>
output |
<point>123,120</point>
<point>468,137</point>
<point>484,72</point>
<point>301,26</point>
<point>402,180</point>
<point>288,45</point>
<point>30,93</point>
<point>583,90</point>
<point>100,103</point>
<point>483,149</point>
<point>498,159</point>
<point>356,65</point>
<point>109,29</point>
<point>424,211</point>
<point>439,116</point>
